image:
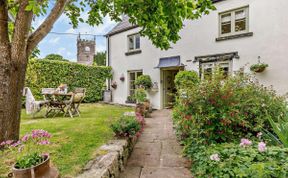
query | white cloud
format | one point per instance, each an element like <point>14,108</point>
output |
<point>54,40</point>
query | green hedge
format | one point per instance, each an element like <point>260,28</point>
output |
<point>50,74</point>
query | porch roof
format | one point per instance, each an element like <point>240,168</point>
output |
<point>166,62</point>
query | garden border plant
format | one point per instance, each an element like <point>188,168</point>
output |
<point>210,117</point>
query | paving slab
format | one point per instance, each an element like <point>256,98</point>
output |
<point>157,154</point>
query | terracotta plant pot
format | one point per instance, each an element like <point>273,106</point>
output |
<point>42,170</point>
<point>140,108</point>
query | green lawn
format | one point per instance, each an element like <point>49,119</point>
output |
<point>74,140</point>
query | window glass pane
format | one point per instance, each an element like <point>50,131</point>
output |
<point>240,25</point>
<point>131,42</point>
<point>207,73</point>
<point>137,39</point>
<point>224,67</point>
<point>139,74</point>
<point>240,14</point>
<point>132,76</point>
<point>226,18</point>
<point>226,23</point>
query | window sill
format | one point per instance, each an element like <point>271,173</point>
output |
<point>234,36</point>
<point>133,52</point>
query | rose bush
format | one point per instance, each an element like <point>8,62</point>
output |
<point>218,110</point>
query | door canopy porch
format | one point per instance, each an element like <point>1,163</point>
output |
<point>169,62</point>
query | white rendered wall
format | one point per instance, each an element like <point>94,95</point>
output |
<point>268,20</point>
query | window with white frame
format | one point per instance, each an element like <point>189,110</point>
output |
<point>134,42</point>
<point>133,75</point>
<point>207,68</point>
<point>234,22</point>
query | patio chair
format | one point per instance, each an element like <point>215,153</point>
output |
<point>32,106</point>
<point>73,104</point>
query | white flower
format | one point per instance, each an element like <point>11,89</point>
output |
<point>215,157</point>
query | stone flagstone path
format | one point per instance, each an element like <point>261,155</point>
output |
<point>157,153</point>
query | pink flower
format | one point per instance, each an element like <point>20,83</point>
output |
<point>44,142</point>
<point>262,147</point>
<point>16,144</point>
<point>259,134</point>
<point>245,142</point>
<point>215,157</point>
<point>25,138</point>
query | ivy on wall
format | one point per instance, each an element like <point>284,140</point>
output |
<point>50,74</point>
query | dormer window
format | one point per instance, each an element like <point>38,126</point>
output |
<point>233,22</point>
<point>134,42</point>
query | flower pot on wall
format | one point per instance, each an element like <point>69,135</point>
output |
<point>43,170</point>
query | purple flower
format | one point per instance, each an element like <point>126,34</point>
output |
<point>44,142</point>
<point>245,142</point>
<point>15,144</point>
<point>215,157</point>
<point>25,138</point>
<point>262,147</point>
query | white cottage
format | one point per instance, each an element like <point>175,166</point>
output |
<point>235,36</point>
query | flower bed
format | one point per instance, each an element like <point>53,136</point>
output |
<point>211,116</point>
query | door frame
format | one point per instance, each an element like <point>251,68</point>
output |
<point>163,82</point>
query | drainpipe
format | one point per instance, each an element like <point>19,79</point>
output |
<point>108,59</point>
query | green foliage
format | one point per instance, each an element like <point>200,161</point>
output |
<point>281,130</point>
<point>236,161</point>
<point>217,110</point>
<point>100,59</point>
<point>160,21</point>
<point>55,57</point>
<point>29,161</point>
<point>140,95</point>
<point>126,126</point>
<point>144,81</point>
<point>185,79</point>
<point>50,74</point>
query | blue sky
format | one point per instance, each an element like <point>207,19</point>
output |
<point>65,45</point>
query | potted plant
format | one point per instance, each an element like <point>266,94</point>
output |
<point>131,99</point>
<point>259,67</point>
<point>144,81</point>
<point>141,97</point>
<point>31,160</point>
<point>114,84</point>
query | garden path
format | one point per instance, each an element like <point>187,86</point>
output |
<point>157,154</point>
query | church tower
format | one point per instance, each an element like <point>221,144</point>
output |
<point>85,51</point>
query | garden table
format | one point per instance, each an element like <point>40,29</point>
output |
<point>57,102</point>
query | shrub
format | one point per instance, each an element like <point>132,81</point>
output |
<point>231,160</point>
<point>217,110</point>
<point>126,126</point>
<point>144,81</point>
<point>185,79</point>
<point>280,128</point>
<point>140,95</point>
<point>50,74</point>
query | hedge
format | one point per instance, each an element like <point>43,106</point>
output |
<point>50,74</point>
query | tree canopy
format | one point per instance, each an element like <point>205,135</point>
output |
<point>100,59</point>
<point>56,57</point>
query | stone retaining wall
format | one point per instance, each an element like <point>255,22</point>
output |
<point>110,159</point>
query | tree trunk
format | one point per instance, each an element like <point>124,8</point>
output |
<point>12,77</point>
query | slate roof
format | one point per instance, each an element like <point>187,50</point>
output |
<point>122,26</point>
<point>125,25</point>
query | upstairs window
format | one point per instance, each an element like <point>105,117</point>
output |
<point>134,42</point>
<point>234,22</point>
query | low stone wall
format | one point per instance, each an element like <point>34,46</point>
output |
<point>110,159</point>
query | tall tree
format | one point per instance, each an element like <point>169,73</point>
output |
<point>55,57</point>
<point>100,59</point>
<point>160,21</point>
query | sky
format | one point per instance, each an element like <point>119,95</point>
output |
<point>65,45</point>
